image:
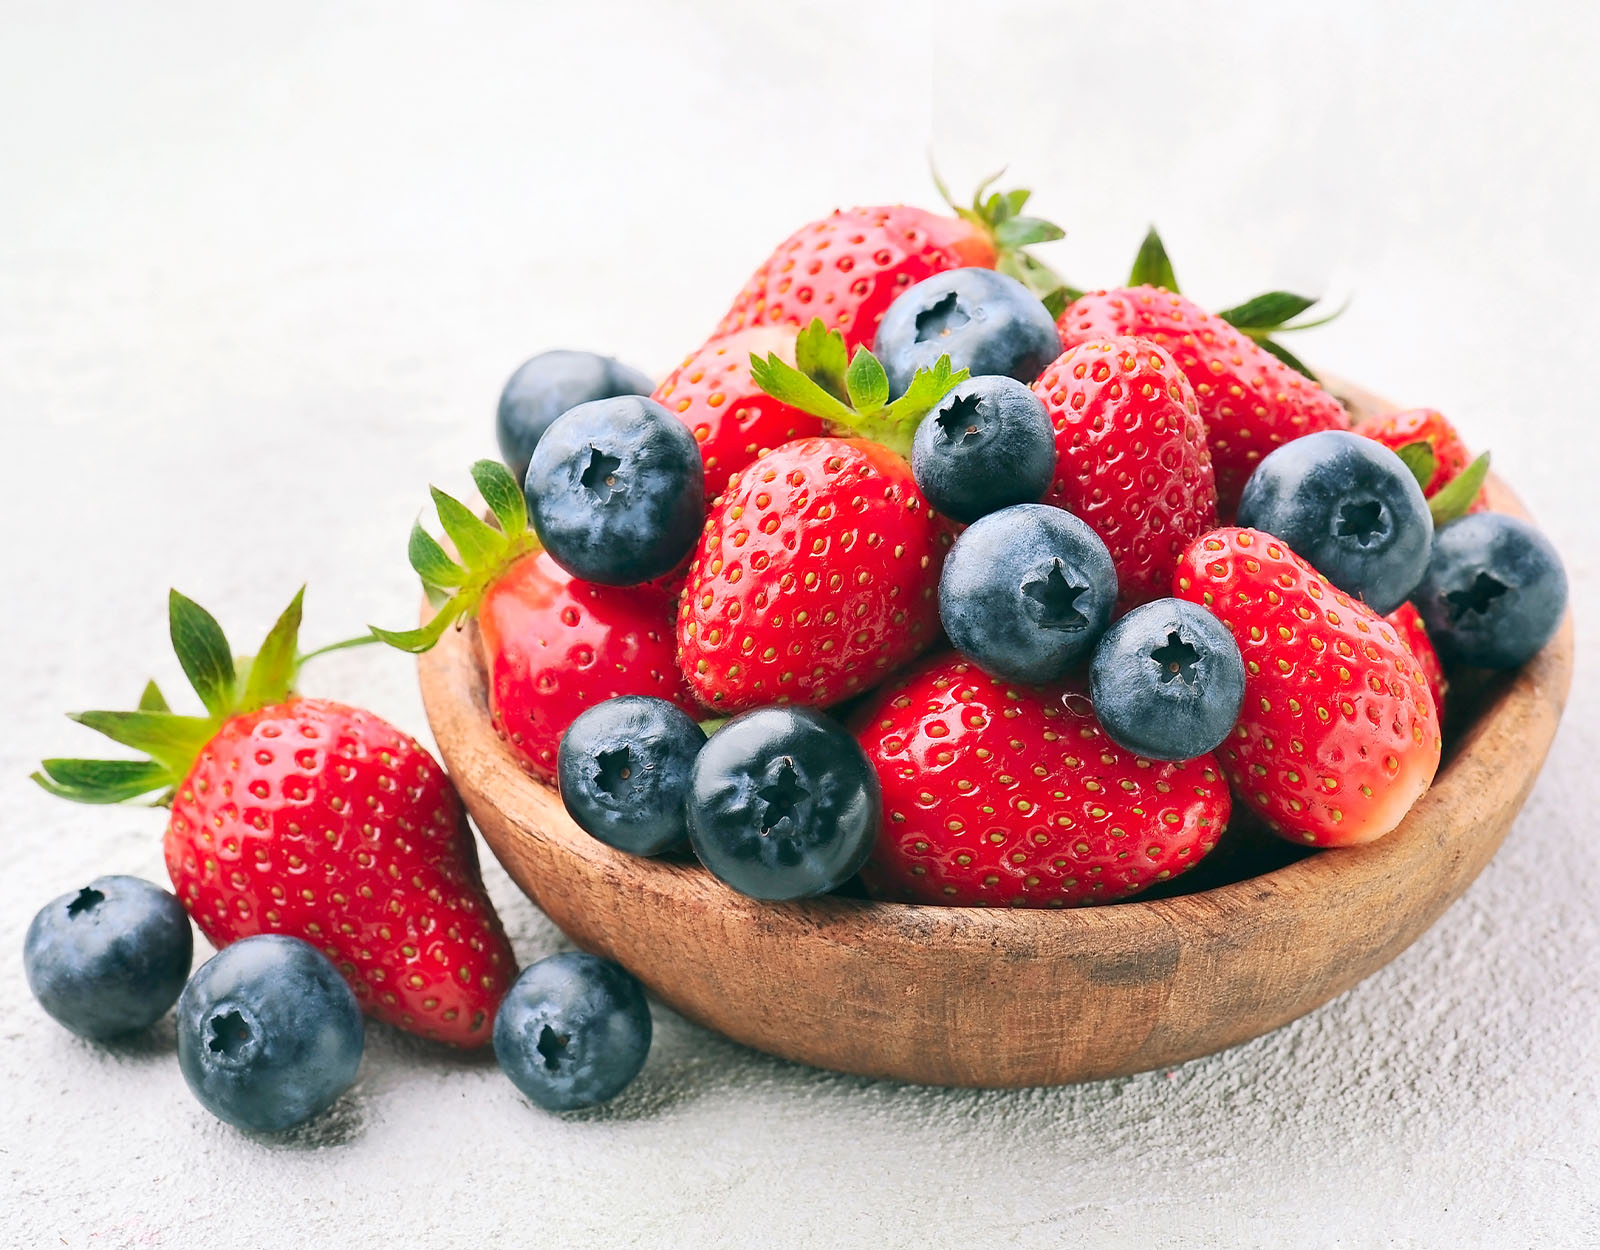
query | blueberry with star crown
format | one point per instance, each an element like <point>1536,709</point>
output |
<point>987,445</point>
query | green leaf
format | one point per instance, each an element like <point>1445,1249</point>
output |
<point>1419,458</point>
<point>1267,312</point>
<point>781,380</point>
<point>1015,200</point>
<point>477,541</point>
<point>417,641</point>
<point>928,387</point>
<point>1055,302</point>
<point>867,383</point>
<point>152,700</point>
<point>1151,266</point>
<point>273,669</point>
<point>437,596</point>
<point>203,652</point>
<point>821,355</point>
<point>1033,273</point>
<point>171,740</point>
<point>504,497</point>
<point>101,781</point>
<point>1457,495</point>
<point>1288,357</point>
<point>429,560</point>
<point>1017,232</point>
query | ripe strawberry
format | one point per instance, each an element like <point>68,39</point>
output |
<point>1249,399</point>
<point>847,268</point>
<point>1338,736</point>
<point>315,820</point>
<point>818,570</point>
<point>732,418</point>
<point>1004,795</point>
<point>552,645</point>
<point>1407,622</point>
<point>1131,457</point>
<point>1450,457</point>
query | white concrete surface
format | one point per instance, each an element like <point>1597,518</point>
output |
<point>262,271</point>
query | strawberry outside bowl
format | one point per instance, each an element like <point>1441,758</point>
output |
<point>970,996</point>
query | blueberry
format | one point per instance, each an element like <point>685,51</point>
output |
<point>623,767</point>
<point>1494,593</point>
<point>1348,506</point>
<point>110,958</point>
<point>1026,592</point>
<point>617,491</point>
<point>783,804</point>
<point>269,1034</point>
<point>984,321</point>
<point>1167,681</point>
<point>548,385</point>
<point>987,445</point>
<point>572,1031</point>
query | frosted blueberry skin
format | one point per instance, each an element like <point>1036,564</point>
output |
<point>783,804</point>
<point>1167,681</point>
<point>616,491</point>
<point>623,769</point>
<point>1494,593</point>
<point>1350,508</point>
<point>269,1034</point>
<point>989,444</point>
<point>1026,593</point>
<point>573,1031</point>
<point>109,959</point>
<point>548,385</point>
<point>986,322</point>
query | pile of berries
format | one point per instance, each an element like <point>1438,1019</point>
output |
<point>925,570</point>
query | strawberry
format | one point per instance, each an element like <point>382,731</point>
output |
<point>818,570</point>
<point>1446,458</point>
<point>1131,457</point>
<point>312,819</point>
<point>1003,795</point>
<point>732,418</point>
<point>847,268</point>
<point>1407,622</point>
<point>1338,736</point>
<point>552,645</point>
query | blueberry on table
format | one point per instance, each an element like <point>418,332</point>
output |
<point>783,804</point>
<point>1026,592</point>
<point>110,958</point>
<point>1494,593</point>
<point>269,1034</point>
<point>623,768</point>
<point>547,386</point>
<point>1167,681</point>
<point>573,1031</point>
<point>986,322</point>
<point>1350,508</point>
<point>987,445</point>
<point>616,491</point>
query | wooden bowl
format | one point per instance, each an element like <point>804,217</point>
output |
<point>968,996</point>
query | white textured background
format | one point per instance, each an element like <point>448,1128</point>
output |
<point>262,271</point>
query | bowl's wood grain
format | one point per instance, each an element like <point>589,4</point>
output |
<point>965,996</point>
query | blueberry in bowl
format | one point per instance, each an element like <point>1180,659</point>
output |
<point>986,322</point>
<point>550,384</point>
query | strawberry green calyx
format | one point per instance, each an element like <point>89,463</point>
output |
<point>171,742</point>
<point>999,215</point>
<point>852,392</point>
<point>454,587</point>
<point>1457,495</point>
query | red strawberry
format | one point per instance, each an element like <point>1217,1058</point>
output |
<point>1000,795</point>
<point>818,570</point>
<point>1426,425</point>
<point>1338,736</point>
<point>848,267</point>
<point>1407,622</point>
<point>1250,401</point>
<point>731,417</point>
<point>553,645</point>
<point>315,820</point>
<point>1131,457</point>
